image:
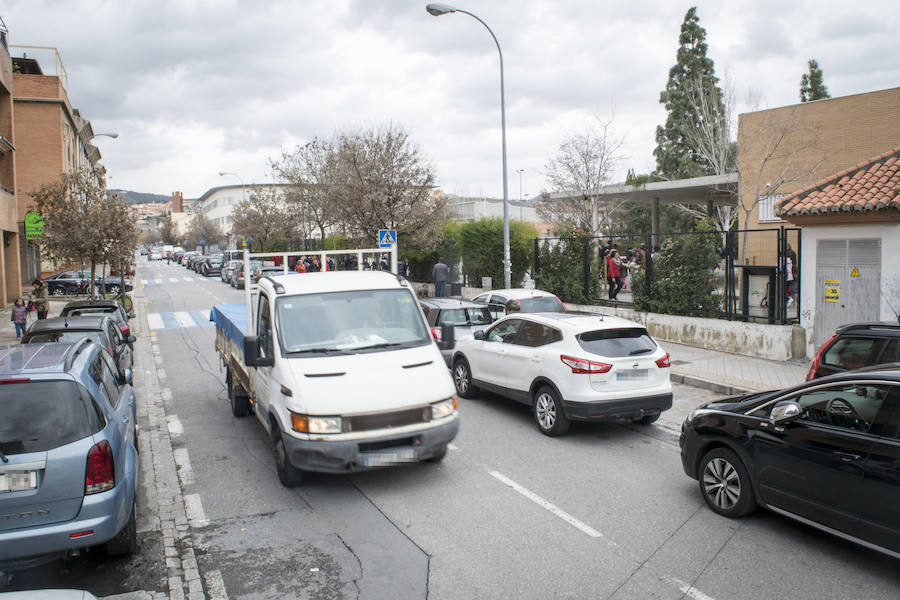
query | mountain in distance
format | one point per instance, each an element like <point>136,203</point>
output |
<point>140,197</point>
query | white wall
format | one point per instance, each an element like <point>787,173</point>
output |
<point>890,269</point>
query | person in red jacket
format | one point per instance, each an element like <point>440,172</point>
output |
<point>614,273</point>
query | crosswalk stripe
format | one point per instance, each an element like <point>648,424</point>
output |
<point>155,321</point>
<point>184,319</point>
<point>179,319</point>
<point>169,321</point>
<point>201,317</point>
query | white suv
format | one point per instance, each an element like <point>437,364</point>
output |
<point>512,300</point>
<point>567,367</point>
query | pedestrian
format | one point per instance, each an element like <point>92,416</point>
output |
<point>402,268</point>
<point>19,317</point>
<point>384,264</point>
<point>300,267</point>
<point>614,273</point>
<point>791,273</point>
<point>439,274</point>
<point>40,298</point>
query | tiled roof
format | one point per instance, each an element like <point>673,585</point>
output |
<point>872,185</point>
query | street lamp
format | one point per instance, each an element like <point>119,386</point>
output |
<point>436,10</point>
<point>521,210</point>
<point>111,135</point>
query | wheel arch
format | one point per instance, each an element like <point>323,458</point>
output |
<point>540,382</point>
<point>741,452</point>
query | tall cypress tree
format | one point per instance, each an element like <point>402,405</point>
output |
<point>674,157</point>
<point>812,84</point>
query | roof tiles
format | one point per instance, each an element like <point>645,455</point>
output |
<point>872,185</point>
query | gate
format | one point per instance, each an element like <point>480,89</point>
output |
<point>848,284</point>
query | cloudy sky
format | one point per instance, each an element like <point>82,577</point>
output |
<point>195,87</point>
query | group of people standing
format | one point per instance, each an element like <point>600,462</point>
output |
<point>617,266</point>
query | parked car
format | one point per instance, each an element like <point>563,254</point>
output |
<point>110,308</point>
<point>857,345</point>
<point>66,282</point>
<point>465,316</point>
<point>567,367</point>
<point>156,255</point>
<point>70,462</point>
<point>228,268</point>
<point>197,263</point>
<point>97,328</point>
<point>211,266</point>
<point>144,252</point>
<point>237,277</point>
<point>189,258</point>
<point>826,452</point>
<point>507,301</point>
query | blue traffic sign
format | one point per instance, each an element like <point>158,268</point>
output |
<point>387,238</point>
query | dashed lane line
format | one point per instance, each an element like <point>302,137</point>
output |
<point>689,590</point>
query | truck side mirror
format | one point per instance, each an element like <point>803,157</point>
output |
<point>252,357</point>
<point>448,337</point>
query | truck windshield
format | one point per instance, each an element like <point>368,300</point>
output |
<point>359,320</point>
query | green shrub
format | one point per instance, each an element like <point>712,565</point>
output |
<point>561,269</point>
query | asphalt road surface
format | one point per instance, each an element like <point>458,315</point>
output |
<point>604,512</point>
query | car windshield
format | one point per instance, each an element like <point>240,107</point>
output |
<point>359,320</point>
<point>480,315</point>
<point>49,337</point>
<point>42,415</point>
<point>539,304</point>
<point>613,343</point>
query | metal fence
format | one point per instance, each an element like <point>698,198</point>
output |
<point>745,274</point>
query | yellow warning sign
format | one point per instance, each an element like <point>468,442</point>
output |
<point>834,282</point>
<point>832,294</point>
<point>854,272</point>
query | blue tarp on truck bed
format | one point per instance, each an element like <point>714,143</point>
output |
<point>231,318</point>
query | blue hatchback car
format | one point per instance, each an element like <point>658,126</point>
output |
<point>68,453</point>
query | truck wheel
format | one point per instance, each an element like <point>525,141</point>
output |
<point>289,475</point>
<point>240,402</point>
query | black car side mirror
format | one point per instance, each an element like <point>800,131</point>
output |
<point>131,315</point>
<point>131,339</point>
<point>252,357</point>
<point>478,334</point>
<point>784,412</point>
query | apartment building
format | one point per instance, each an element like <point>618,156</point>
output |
<point>10,287</point>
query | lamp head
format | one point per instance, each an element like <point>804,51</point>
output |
<point>222,173</point>
<point>435,9</point>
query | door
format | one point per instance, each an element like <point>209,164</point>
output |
<point>489,361</point>
<point>525,355</point>
<point>813,467</point>
<point>848,284</point>
<point>263,381</point>
<point>880,502</point>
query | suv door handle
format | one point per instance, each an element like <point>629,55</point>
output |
<point>847,456</point>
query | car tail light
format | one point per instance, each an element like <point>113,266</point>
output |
<point>818,358</point>
<point>100,474</point>
<point>581,365</point>
<point>664,362</point>
<point>436,333</point>
<point>18,380</point>
<point>126,329</point>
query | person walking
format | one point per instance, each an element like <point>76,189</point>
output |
<point>41,298</point>
<point>384,264</point>
<point>402,268</point>
<point>439,274</point>
<point>19,317</point>
<point>614,273</point>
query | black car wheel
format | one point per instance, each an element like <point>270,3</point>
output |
<point>725,483</point>
<point>462,379</point>
<point>57,291</point>
<point>113,289</point>
<point>548,412</point>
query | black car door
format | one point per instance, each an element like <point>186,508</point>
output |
<point>812,467</point>
<point>880,505</point>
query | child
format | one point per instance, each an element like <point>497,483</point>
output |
<point>19,316</point>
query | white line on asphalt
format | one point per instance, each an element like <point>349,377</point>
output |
<point>158,359</point>
<point>184,319</point>
<point>215,586</point>
<point>689,590</point>
<point>581,526</point>
<point>161,373</point>
<point>193,508</point>
<point>166,394</point>
<point>452,447</point>
<point>155,321</point>
<point>174,425</point>
<point>185,471</point>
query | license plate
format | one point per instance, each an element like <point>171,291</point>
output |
<point>382,459</point>
<point>18,481</point>
<point>632,375</point>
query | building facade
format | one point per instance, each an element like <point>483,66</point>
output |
<point>10,286</point>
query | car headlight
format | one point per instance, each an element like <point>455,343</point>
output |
<point>305,424</point>
<point>443,408</point>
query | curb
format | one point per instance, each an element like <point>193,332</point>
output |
<point>706,384</point>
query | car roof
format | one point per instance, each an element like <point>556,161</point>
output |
<point>450,303</point>
<point>873,326</point>
<point>577,322</point>
<point>91,304</point>
<point>515,293</point>
<point>81,322</point>
<point>37,358</point>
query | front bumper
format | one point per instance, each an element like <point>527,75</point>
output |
<point>363,454</point>
<point>618,409</point>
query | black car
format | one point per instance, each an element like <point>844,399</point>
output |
<point>855,346</point>
<point>99,328</point>
<point>211,266</point>
<point>465,316</point>
<point>73,282</point>
<point>826,452</point>
<point>110,308</point>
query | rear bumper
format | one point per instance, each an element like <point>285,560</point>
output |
<point>362,455</point>
<point>618,409</point>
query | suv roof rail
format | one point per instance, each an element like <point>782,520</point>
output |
<point>74,351</point>
<point>868,325</point>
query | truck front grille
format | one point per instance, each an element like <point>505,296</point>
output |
<point>386,420</point>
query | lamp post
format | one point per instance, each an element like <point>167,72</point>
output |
<point>521,209</point>
<point>437,10</point>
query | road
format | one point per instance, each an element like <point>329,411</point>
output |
<point>603,512</point>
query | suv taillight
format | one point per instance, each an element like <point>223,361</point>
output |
<point>814,367</point>
<point>436,333</point>
<point>100,474</point>
<point>581,365</point>
<point>665,361</point>
<point>125,328</point>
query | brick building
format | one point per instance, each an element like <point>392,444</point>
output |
<point>10,288</point>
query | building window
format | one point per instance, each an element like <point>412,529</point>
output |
<point>767,207</point>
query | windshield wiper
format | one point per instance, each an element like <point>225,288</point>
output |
<point>381,345</point>
<point>641,351</point>
<point>318,351</point>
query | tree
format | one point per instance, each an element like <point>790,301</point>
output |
<point>201,228</point>
<point>583,163</point>
<point>310,172</point>
<point>812,84</point>
<point>481,249</point>
<point>167,232</point>
<point>122,234</point>
<point>382,181</point>
<point>263,217</point>
<point>675,157</point>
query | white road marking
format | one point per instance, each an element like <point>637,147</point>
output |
<point>184,319</point>
<point>215,586</point>
<point>155,321</point>
<point>581,526</point>
<point>173,279</point>
<point>183,461</point>
<point>689,590</point>
<point>193,508</point>
<point>158,359</point>
<point>452,446</point>
<point>174,425</point>
<point>161,373</point>
<point>166,394</point>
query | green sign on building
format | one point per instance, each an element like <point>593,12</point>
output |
<point>34,225</point>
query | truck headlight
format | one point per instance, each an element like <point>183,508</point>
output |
<point>324,424</point>
<point>443,408</point>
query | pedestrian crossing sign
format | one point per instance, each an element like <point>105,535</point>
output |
<point>387,238</point>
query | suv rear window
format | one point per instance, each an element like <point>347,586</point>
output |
<point>466,316</point>
<point>853,352</point>
<point>42,415</point>
<point>535,304</point>
<point>617,342</point>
